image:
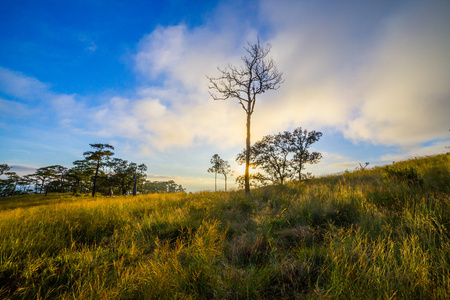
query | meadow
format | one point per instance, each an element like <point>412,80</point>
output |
<point>381,233</point>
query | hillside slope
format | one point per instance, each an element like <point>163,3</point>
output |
<point>380,233</point>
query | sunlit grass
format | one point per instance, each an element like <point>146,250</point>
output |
<point>365,234</point>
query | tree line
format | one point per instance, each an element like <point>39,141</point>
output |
<point>98,172</point>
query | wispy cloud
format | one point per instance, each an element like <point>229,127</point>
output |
<point>90,44</point>
<point>19,86</point>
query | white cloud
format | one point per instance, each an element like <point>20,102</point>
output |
<point>14,109</point>
<point>18,85</point>
<point>437,147</point>
<point>332,163</point>
<point>404,83</point>
<point>384,83</point>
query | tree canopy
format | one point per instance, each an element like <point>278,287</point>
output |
<point>280,156</point>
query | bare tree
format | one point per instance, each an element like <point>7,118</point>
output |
<point>258,75</point>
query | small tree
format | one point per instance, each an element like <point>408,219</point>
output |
<point>258,75</point>
<point>271,155</point>
<point>138,175</point>
<point>282,155</point>
<point>216,162</point>
<point>45,175</point>
<point>126,175</point>
<point>225,170</point>
<point>4,184</point>
<point>79,175</point>
<point>300,142</point>
<point>99,157</point>
<point>12,181</point>
<point>58,173</point>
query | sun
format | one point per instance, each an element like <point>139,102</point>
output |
<point>241,169</point>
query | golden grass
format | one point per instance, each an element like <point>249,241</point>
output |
<point>365,234</point>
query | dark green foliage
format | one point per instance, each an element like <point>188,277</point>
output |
<point>153,187</point>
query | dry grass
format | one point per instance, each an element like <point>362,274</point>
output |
<point>366,234</point>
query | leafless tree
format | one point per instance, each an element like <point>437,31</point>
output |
<point>257,75</point>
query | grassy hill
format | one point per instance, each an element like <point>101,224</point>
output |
<point>377,234</point>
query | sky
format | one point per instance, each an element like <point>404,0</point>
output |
<point>372,76</point>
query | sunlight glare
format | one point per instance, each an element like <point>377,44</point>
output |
<point>241,169</point>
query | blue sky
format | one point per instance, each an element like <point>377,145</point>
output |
<point>373,77</point>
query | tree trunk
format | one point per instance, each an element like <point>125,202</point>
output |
<point>75,187</point>
<point>135,185</point>
<point>215,181</point>
<point>225,175</point>
<point>14,189</point>
<point>95,179</point>
<point>300,171</point>
<point>247,155</point>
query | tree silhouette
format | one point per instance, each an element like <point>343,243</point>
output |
<point>216,162</point>
<point>258,75</point>
<point>100,156</point>
<point>11,181</point>
<point>58,173</point>
<point>272,155</point>
<point>127,175</point>
<point>301,140</point>
<point>281,156</point>
<point>4,168</point>
<point>225,170</point>
<point>45,175</point>
<point>79,175</point>
<point>162,187</point>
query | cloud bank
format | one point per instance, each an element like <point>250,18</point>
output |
<point>382,81</point>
